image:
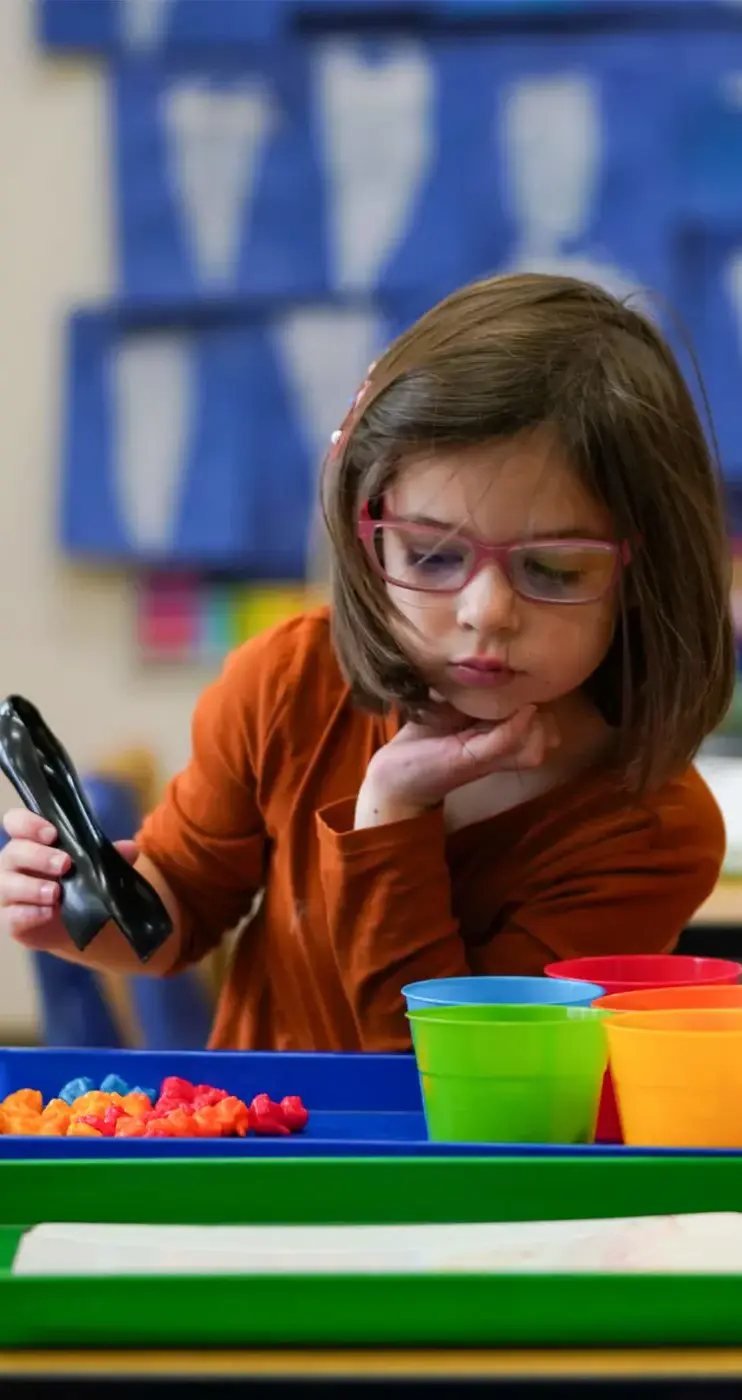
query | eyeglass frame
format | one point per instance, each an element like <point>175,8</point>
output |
<point>498,554</point>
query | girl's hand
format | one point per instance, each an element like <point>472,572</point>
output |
<point>30,870</point>
<point>424,762</point>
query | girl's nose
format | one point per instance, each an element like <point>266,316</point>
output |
<point>488,603</point>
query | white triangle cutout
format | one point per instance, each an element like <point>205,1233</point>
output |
<point>325,354</point>
<point>551,138</point>
<point>152,380</point>
<point>216,139</point>
<point>377,125</point>
<point>142,23</point>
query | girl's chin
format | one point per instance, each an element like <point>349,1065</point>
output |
<point>490,708</point>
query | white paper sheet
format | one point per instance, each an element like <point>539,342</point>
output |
<point>708,1243</point>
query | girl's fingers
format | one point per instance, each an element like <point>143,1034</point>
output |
<point>36,929</point>
<point>129,850</point>
<point>423,763</point>
<point>530,755</point>
<point>521,744</point>
<point>18,889</point>
<point>34,859</point>
<point>483,746</point>
<point>21,823</point>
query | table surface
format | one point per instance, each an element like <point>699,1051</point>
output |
<point>723,907</point>
<point>377,1365</point>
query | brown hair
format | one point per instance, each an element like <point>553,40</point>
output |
<point>509,354</point>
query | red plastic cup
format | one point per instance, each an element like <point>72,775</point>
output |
<point>636,973</point>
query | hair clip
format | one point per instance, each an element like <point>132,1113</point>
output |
<point>340,435</point>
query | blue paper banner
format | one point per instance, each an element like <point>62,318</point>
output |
<point>334,168</point>
<point>215,186</point>
<point>156,26</point>
<point>709,131</point>
<point>710,275</point>
<point>196,441</point>
<point>573,172</point>
<point>156,441</point>
<point>706,247</point>
<point>147,27</point>
<point>529,12</point>
<point>283,209</point>
<point>383,168</point>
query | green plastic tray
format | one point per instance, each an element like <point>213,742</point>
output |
<point>440,1310</point>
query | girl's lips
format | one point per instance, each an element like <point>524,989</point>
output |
<point>479,673</point>
<point>482,663</point>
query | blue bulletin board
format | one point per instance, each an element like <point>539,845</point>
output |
<point>293,181</point>
<point>193,435</point>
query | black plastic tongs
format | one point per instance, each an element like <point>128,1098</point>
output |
<point>101,885</point>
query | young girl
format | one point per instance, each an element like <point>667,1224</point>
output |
<point>478,760</point>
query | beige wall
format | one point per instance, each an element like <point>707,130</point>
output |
<point>66,642</point>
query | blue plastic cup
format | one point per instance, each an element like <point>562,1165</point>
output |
<point>499,991</point>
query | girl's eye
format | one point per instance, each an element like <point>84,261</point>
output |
<point>567,574</point>
<point>541,568</point>
<point>441,560</point>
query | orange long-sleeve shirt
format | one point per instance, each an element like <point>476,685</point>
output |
<point>347,917</point>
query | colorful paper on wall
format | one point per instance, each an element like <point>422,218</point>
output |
<point>187,619</point>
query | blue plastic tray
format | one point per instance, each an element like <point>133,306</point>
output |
<point>360,1105</point>
<point>357,1103</point>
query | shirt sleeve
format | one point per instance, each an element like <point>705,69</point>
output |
<point>207,835</point>
<point>637,885</point>
<point>628,884</point>
<point>387,894</point>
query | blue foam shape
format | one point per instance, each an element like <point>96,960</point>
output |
<point>73,1089</point>
<point>151,1094</point>
<point>114,1084</point>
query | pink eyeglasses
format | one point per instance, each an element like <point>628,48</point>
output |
<point>428,560</point>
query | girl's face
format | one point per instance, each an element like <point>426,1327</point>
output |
<point>520,490</point>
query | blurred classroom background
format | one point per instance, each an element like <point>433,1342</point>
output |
<point>213,215</point>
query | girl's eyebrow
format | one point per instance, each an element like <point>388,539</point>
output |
<point>581,533</point>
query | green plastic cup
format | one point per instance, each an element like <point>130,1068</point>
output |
<point>510,1073</point>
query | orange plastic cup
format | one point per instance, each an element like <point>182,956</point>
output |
<point>678,1076</point>
<point>631,973</point>
<point>674,999</point>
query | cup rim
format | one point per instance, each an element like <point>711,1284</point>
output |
<point>619,1020</point>
<point>722,967</point>
<point>579,986</point>
<point>703,988</point>
<point>585,1014</point>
